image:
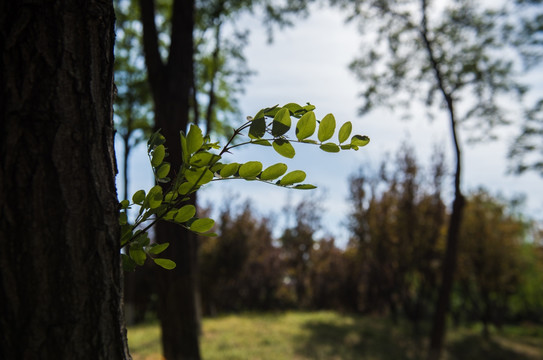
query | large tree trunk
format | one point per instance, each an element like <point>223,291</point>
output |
<point>171,84</point>
<point>60,281</point>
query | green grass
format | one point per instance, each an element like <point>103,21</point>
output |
<point>330,335</point>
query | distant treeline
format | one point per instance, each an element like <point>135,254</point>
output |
<point>391,263</point>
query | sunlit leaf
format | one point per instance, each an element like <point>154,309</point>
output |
<point>345,131</point>
<point>154,197</point>
<point>204,159</point>
<point>274,171</point>
<point>281,122</point>
<point>199,176</point>
<point>229,170</point>
<point>306,125</point>
<point>163,170</point>
<point>305,187</point>
<point>293,177</point>
<point>284,148</point>
<point>257,128</point>
<point>195,139</point>
<point>327,128</point>
<point>330,147</point>
<point>359,140</point>
<point>184,214</point>
<point>156,249</point>
<point>165,263</point>
<point>250,169</point>
<point>138,255</point>
<point>202,225</point>
<point>158,155</point>
<point>293,107</point>
<point>187,187</point>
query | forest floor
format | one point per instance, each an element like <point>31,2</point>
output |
<point>334,336</point>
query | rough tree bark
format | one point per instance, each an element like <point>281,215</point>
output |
<point>171,83</point>
<point>60,280</point>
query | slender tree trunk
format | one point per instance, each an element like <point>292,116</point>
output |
<point>448,269</point>
<point>171,85</point>
<point>60,280</point>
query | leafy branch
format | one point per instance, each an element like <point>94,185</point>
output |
<point>169,199</point>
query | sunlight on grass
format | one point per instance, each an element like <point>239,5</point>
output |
<point>331,336</point>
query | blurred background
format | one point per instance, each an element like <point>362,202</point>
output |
<point>357,268</point>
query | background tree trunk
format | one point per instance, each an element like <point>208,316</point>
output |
<point>171,83</point>
<point>60,282</point>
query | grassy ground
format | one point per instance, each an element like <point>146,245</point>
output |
<point>329,335</point>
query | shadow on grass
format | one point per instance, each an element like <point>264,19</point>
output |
<point>475,347</point>
<point>361,339</point>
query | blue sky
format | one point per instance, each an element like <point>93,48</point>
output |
<point>308,63</point>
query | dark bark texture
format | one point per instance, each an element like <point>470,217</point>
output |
<point>171,81</point>
<point>60,280</point>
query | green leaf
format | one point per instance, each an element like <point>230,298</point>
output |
<point>138,255</point>
<point>156,249</point>
<point>156,139</point>
<point>327,128</point>
<point>124,204</point>
<point>330,147</point>
<point>293,108</point>
<point>309,107</point>
<point>195,139</point>
<point>165,263</point>
<point>154,197</point>
<point>184,214</point>
<point>261,142</point>
<point>204,159</point>
<point>187,187</point>
<point>306,125</point>
<point>229,170</point>
<point>184,149</point>
<point>199,176</point>
<point>163,170</point>
<point>158,155</point>
<point>170,196</point>
<point>292,177</point>
<point>284,147</point>
<point>305,187</point>
<point>202,225</point>
<point>345,131</point>
<point>217,167</point>
<point>250,169</point>
<point>123,219</point>
<point>170,214</point>
<point>359,140</point>
<point>274,171</point>
<point>258,128</point>
<point>128,263</point>
<point>281,122</point>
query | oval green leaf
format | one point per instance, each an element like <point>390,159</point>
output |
<point>202,225</point>
<point>250,169</point>
<point>284,148</point>
<point>158,155</point>
<point>187,187</point>
<point>163,170</point>
<point>195,139</point>
<point>184,214</point>
<point>281,122</point>
<point>258,128</point>
<point>199,176</point>
<point>306,125</point>
<point>292,177</point>
<point>274,171</point>
<point>345,131</point>
<point>204,159</point>
<point>165,263</point>
<point>327,128</point>
<point>138,255</point>
<point>154,197</point>
<point>305,187</point>
<point>359,140</point>
<point>156,249</point>
<point>124,204</point>
<point>330,147</point>
<point>229,170</point>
